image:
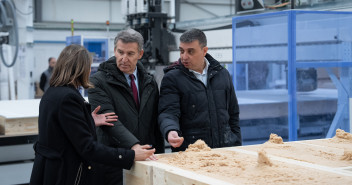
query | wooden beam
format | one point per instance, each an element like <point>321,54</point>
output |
<point>15,126</point>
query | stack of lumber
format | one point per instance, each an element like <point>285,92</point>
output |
<point>19,117</point>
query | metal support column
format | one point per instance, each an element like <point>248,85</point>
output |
<point>292,102</point>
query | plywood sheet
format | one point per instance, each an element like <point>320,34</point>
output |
<point>157,173</point>
<point>17,126</point>
<point>12,109</point>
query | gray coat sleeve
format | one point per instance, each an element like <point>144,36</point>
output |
<point>119,133</point>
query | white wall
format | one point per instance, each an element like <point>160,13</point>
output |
<point>101,10</point>
<point>49,43</point>
<point>92,11</point>
<point>196,11</point>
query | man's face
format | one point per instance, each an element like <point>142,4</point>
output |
<point>52,62</point>
<point>127,56</point>
<point>192,55</point>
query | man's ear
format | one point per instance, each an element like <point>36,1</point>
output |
<point>141,54</point>
<point>205,50</point>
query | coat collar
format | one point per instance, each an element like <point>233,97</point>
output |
<point>115,75</point>
<point>214,66</point>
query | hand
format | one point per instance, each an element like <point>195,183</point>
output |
<point>143,152</point>
<point>152,157</point>
<point>174,140</point>
<point>103,119</point>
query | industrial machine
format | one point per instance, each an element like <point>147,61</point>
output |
<point>15,143</point>
<point>8,30</point>
<point>245,6</point>
<point>145,16</point>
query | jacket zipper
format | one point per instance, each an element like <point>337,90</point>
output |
<point>79,173</point>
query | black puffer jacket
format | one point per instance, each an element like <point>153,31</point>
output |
<point>209,113</point>
<point>113,93</point>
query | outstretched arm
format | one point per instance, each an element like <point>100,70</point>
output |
<point>77,128</point>
<point>103,119</point>
<point>169,111</point>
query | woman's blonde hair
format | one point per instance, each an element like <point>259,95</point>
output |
<point>72,67</point>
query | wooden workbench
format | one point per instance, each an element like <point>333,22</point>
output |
<point>300,162</point>
<point>19,117</point>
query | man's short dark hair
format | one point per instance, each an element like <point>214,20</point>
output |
<point>192,35</point>
<point>50,58</point>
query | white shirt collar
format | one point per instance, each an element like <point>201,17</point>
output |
<point>205,70</point>
<point>134,73</point>
<point>203,77</point>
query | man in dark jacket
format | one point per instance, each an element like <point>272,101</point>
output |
<point>197,98</point>
<point>123,86</point>
<point>46,75</point>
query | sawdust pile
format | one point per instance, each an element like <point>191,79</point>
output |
<point>200,157</point>
<point>343,135</point>
<point>347,155</point>
<point>198,146</point>
<point>274,138</point>
<point>263,159</point>
<point>241,168</point>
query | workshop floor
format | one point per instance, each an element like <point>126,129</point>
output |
<point>15,173</point>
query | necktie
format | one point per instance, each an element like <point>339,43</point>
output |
<point>134,90</point>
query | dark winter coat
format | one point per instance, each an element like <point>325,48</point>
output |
<point>67,151</point>
<point>44,83</point>
<point>113,94</point>
<point>196,111</point>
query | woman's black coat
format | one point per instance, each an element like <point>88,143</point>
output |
<point>67,151</point>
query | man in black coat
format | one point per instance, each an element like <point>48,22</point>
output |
<point>46,75</point>
<point>197,98</point>
<point>122,85</point>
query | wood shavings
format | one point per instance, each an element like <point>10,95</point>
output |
<point>260,169</point>
<point>343,135</point>
<point>347,155</point>
<point>198,146</point>
<point>274,138</point>
<point>263,159</point>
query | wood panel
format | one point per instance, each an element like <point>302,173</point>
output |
<point>15,126</point>
<point>155,173</point>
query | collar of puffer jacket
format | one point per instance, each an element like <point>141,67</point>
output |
<point>214,64</point>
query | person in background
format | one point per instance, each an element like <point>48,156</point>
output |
<point>123,86</point>
<point>197,98</point>
<point>67,151</point>
<point>46,75</point>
